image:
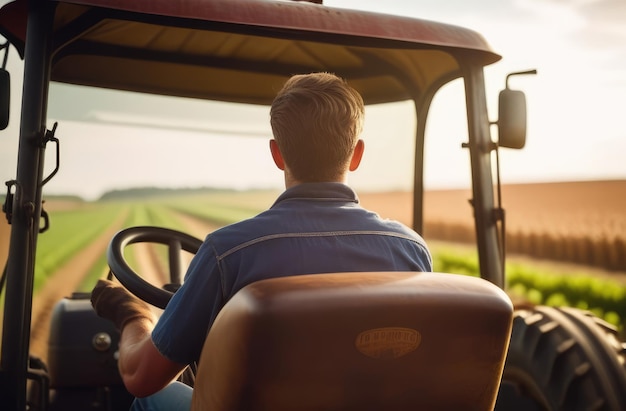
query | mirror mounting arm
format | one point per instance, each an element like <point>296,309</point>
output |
<point>484,147</point>
<point>517,73</point>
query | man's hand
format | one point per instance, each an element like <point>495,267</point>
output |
<point>118,305</point>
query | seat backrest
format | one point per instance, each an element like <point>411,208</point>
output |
<point>357,341</point>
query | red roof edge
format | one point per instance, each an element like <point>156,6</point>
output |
<point>13,22</point>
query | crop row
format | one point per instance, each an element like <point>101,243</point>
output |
<point>607,252</point>
<point>605,298</point>
<point>69,232</point>
<point>220,213</point>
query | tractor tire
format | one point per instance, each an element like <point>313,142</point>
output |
<point>563,359</point>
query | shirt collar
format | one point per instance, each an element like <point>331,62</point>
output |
<point>319,192</point>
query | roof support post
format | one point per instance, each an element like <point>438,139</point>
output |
<point>26,209</point>
<point>480,146</point>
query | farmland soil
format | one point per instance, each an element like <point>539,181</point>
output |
<point>594,208</point>
<point>5,234</point>
<point>578,226</point>
<point>62,284</point>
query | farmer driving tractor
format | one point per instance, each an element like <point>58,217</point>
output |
<point>315,226</point>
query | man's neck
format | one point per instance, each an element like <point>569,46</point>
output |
<point>291,181</point>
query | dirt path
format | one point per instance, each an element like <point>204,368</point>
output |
<point>149,266</point>
<point>61,284</point>
<point>5,234</point>
<point>195,227</point>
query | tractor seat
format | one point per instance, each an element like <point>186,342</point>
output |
<point>357,341</point>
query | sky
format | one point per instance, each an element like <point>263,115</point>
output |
<point>576,102</point>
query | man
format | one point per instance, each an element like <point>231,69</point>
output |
<point>315,226</point>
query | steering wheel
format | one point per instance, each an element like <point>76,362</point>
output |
<point>174,240</point>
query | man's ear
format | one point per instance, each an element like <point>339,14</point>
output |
<point>357,155</point>
<point>277,155</point>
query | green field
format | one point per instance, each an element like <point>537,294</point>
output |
<point>74,228</point>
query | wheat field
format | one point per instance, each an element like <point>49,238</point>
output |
<point>575,222</point>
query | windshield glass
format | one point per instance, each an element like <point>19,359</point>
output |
<point>118,140</point>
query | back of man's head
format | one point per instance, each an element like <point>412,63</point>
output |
<point>316,121</point>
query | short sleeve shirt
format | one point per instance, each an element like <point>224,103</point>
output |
<point>312,228</point>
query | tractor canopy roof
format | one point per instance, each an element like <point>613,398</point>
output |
<point>243,50</point>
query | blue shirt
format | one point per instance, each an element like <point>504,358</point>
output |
<point>311,228</point>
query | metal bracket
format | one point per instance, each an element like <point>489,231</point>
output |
<point>49,136</point>
<point>7,207</point>
<point>46,221</point>
<point>498,214</point>
<point>38,373</point>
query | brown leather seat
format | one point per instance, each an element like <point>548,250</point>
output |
<point>357,341</point>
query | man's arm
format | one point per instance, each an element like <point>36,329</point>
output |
<point>142,367</point>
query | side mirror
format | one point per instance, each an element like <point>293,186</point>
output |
<point>5,98</point>
<point>511,119</point>
<point>512,115</point>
